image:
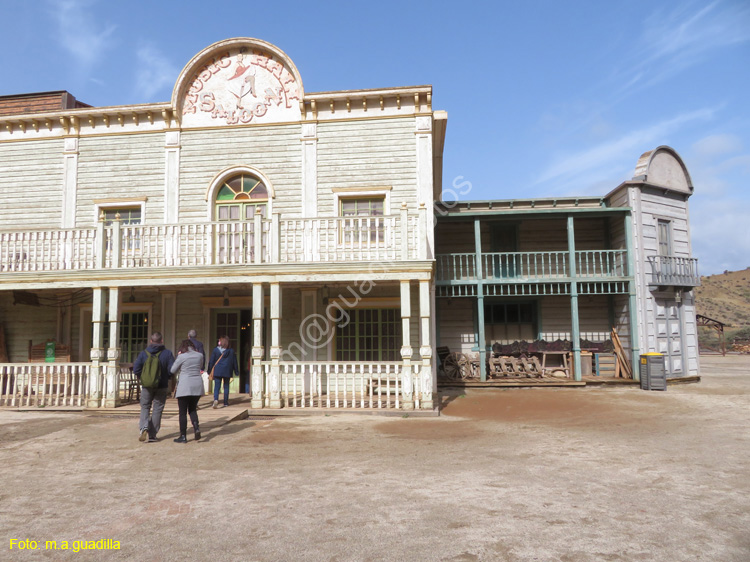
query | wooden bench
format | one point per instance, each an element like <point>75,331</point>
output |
<point>37,353</point>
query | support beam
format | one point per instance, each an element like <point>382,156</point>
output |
<point>94,394</point>
<point>257,351</point>
<point>274,381</point>
<point>480,334</point>
<point>425,348</point>
<point>575,330</point>
<point>112,396</point>
<point>407,386</point>
<point>632,300</point>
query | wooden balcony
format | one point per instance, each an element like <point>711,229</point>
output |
<point>521,267</point>
<point>400,237</point>
<point>671,271</point>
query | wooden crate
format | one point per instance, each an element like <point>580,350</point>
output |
<point>606,364</point>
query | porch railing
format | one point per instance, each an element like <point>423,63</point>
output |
<point>674,271</point>
<point>40,384</point>
<point>303,240</point>
<point>329,384</point>
<point>499,267</point>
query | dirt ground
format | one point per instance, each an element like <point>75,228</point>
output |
<point>570,475</point>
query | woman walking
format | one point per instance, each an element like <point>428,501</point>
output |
<point>222,366</point>
<point>189,389</point>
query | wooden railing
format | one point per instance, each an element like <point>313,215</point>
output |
<point>602,263</point>
<point>329,384</point>
<point>497,267</point>
<point>674,271</point>
<point>302,240</point>
<point>40,384</point>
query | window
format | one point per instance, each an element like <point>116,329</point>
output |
<point>134,334</point>
<point>364,219</point>
<point>237,200</point>
<point>128,215</point>
<point>664,238</point>
<point>509,322</point>
<point>239,197</point>
<point>371,334</point>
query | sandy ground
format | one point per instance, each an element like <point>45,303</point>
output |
<point>568,475</point>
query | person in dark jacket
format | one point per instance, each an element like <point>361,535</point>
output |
<point>193,337</point>
<point>223,366</point>
<point>151,422</point>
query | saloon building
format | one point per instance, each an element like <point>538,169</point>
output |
<point>310,229</point>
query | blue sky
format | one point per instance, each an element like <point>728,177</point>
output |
<point>544,97</point>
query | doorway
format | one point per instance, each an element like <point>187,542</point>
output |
<point>236,324</point>
<point>669,335</point>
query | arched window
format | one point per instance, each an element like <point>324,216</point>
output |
<point>238,198</point>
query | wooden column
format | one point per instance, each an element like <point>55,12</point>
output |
<point>575,330</point>
<point>94,394</point>
<point>425,349</point>
<point>112,396</point>
<point>480,335</point>
<point>257,351</point>
<point>274,379</point>
<point>407,386</point>
<point>632,300</point>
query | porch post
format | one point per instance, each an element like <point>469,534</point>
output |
<point>112,396</point>
<point>93,399</point>
<point>425,349</point>
<point>274,382</point>
<point>575,331</point>
<point>481,337</point>
<point>257,351</point>
<point>407,387</point>
<point>632,300</point>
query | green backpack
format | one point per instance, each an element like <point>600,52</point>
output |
<point>151,372</point>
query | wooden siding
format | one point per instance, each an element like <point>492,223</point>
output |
<point>118,167</point>
<point>275,151</point>
<point>456,324</point>
<point>367,154</point>
<point>31,170</point>
<point>23,323</point>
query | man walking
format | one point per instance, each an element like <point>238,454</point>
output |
<point>153,368</point>
<point>192,336</point>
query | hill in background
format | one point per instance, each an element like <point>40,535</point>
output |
<point>725,297</point>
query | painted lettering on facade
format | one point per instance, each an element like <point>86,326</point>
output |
<point>241,88</point>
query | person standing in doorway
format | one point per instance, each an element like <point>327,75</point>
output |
<point>198,346</point>
<point>189,364</point>
<point>222,366</point>
<point>153,368</point>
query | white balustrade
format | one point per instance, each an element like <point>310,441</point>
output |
<point>47,250</point>
<point>330,384</point>
<point>43,384</point>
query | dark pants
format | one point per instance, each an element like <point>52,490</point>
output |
<point>188,405</point>
<point>217,384</point>
<point>152,421</point>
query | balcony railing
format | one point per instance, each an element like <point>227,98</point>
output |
<point>261,241</point>
<point>670,271</point>
<point>529,266</point>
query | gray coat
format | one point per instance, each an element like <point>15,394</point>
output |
<point>189,366</point>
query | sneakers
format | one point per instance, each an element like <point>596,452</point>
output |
<point>197,435</point>
<point>216,404</point>
<point>144,435</point>
<point>181,439</point>
<point>152,440</point>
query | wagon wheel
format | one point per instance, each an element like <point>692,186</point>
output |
<point>451,368</point>
<point>464,366</point>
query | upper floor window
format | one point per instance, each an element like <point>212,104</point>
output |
<point>239,197</point>
<point>664,237</point>
<point>367,224</point>
<point>362,207</point>
<point>128,215</point>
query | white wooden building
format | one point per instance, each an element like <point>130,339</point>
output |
<point>303,226</point>
<point>297,223</point>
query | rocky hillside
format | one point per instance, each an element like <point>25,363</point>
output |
<point>725,297</point>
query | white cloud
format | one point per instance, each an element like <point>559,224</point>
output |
<point>719,233</point>
<point>604,156</point>
<point>716,145</point>
<point>84,38</point>
<point>155,72</point>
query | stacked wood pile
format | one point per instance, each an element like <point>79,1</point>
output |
<point>624,369</point>
<point>741,346</point>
